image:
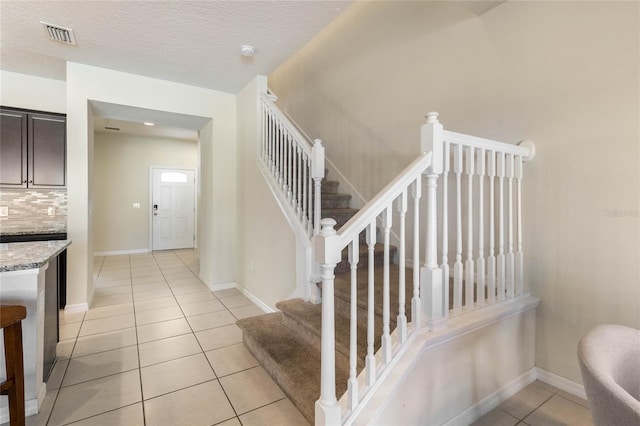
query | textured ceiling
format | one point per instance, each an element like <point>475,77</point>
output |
<point>190,42</point>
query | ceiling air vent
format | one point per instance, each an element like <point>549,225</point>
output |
<point>60,34</point>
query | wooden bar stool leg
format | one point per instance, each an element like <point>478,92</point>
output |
<point>15,371</point>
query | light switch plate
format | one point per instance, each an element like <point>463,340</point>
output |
<point>51,211</point>
<point>4,211</point>
<point>136,205</point>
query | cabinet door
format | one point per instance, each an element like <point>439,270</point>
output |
<point>47,151</point>
<point>13,149</point>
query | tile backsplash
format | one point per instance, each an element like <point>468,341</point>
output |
<point>29,210</point>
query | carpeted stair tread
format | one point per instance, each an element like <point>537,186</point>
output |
<point>363,256</point>
<point>329,186</point>
<point>306,319</point>
<point>341,216</point>
<point>335,201</point>
<point>290,361</point>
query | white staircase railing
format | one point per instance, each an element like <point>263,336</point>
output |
<point>480,161</point>
<point>295,165</point>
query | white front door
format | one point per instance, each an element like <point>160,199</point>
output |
<point>173,209</point>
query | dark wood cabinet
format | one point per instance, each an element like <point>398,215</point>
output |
<point>32,149</point>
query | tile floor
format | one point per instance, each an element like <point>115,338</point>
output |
<point>158,348</point>
<point>539,404</point>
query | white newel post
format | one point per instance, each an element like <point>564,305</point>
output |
<point>328,255</point>
<point>317,173</point>
<point>431,287</point>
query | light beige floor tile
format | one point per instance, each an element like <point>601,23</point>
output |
<point>158,315</point>
<point>70,317</point>
<point>95,343</point>
<point>231,422</point>
<point>560,411</point>
<point>168,349</point>
<point>528,399</point>
<point>64,348</point>
<point>103,325</point>
<point>204,307</point>
<point>174,375</point>
<point>251,389</point>
<point>189,288</point>
<point>231,359</point>
<point>246,311</point>
<point>55,378</point>
<point>69,331</point>
<point>112,276</point>
<point>95,397</point>
<point>109,311</point>
<point>179,282</point>
<point>201,405</point>
<point>99,365</point>
<point>113,283</point>
<point>281,413</point>
<point>228,292</point>
<point>146,272</point>
<point>235,301</point>
<point>496,417</point>
<point>114,299</point>
<point>219,337</point>
<point>146,280</point>
<point>574,398</point>
<point>154,285</point>
<point>162,330</point>
<point>110,291</point>
<point>152,294</point>
<point>151,304</point>
<point>211,320</point>
<point>200,296</point>
<point>42,417</point>
<point>130,415</point>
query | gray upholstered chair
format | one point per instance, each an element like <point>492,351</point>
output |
<point>609,357</point>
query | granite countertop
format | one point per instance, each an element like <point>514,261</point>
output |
<point>32,231</point>
<point>22,256</point>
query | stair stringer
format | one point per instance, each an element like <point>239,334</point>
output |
<point>307,270</point>
<point>412,388</point>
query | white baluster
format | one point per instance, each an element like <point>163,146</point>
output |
<point>310,210</point>
<point>317,151</point>
<point>519,255</point>
<point>327,409</point>
<point>445,228</point>
<point>287,164</point>
<point>271,144</point>
<point>491,260</point>
<point>469,264</point>
<point>298,181</point>
<point>385,341</point>
<point>457,266</point>
<point>370,360</point>
<point>501,227</point>
<point>305,212</point>
<point>416,304</point>
<point>480,261</point>
<point>402,319</point>
<point>352,385</point>
<point>510,255</point>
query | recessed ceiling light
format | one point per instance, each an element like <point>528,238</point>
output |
<point>147,123</point>
<point>247,50</point>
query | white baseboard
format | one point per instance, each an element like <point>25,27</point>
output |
<point>223,286</point>
<point>78,307</point>
<point>561,383</point>
<point>493,400</point>
<point>266,308</point>
<point>30,406</point>
<point>119,252</point>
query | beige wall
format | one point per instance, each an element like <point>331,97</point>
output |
<point>266,244</point>
<point>121,178</point>
<point>29,92</point>
<point>564,74</point>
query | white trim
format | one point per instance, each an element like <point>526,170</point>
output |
<point>493,400</point>
<point>223,286</point>
<point>561,383</point>
<point>78,307</point>
<point>259,303</point>
<point>30,408</point>
<point>265,308</point>
<point>119,252</point>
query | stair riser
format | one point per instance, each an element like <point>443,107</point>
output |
<point>330,187</point>
<point>272,368</point>
<point>335,202</point>
<point>315,340</point>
